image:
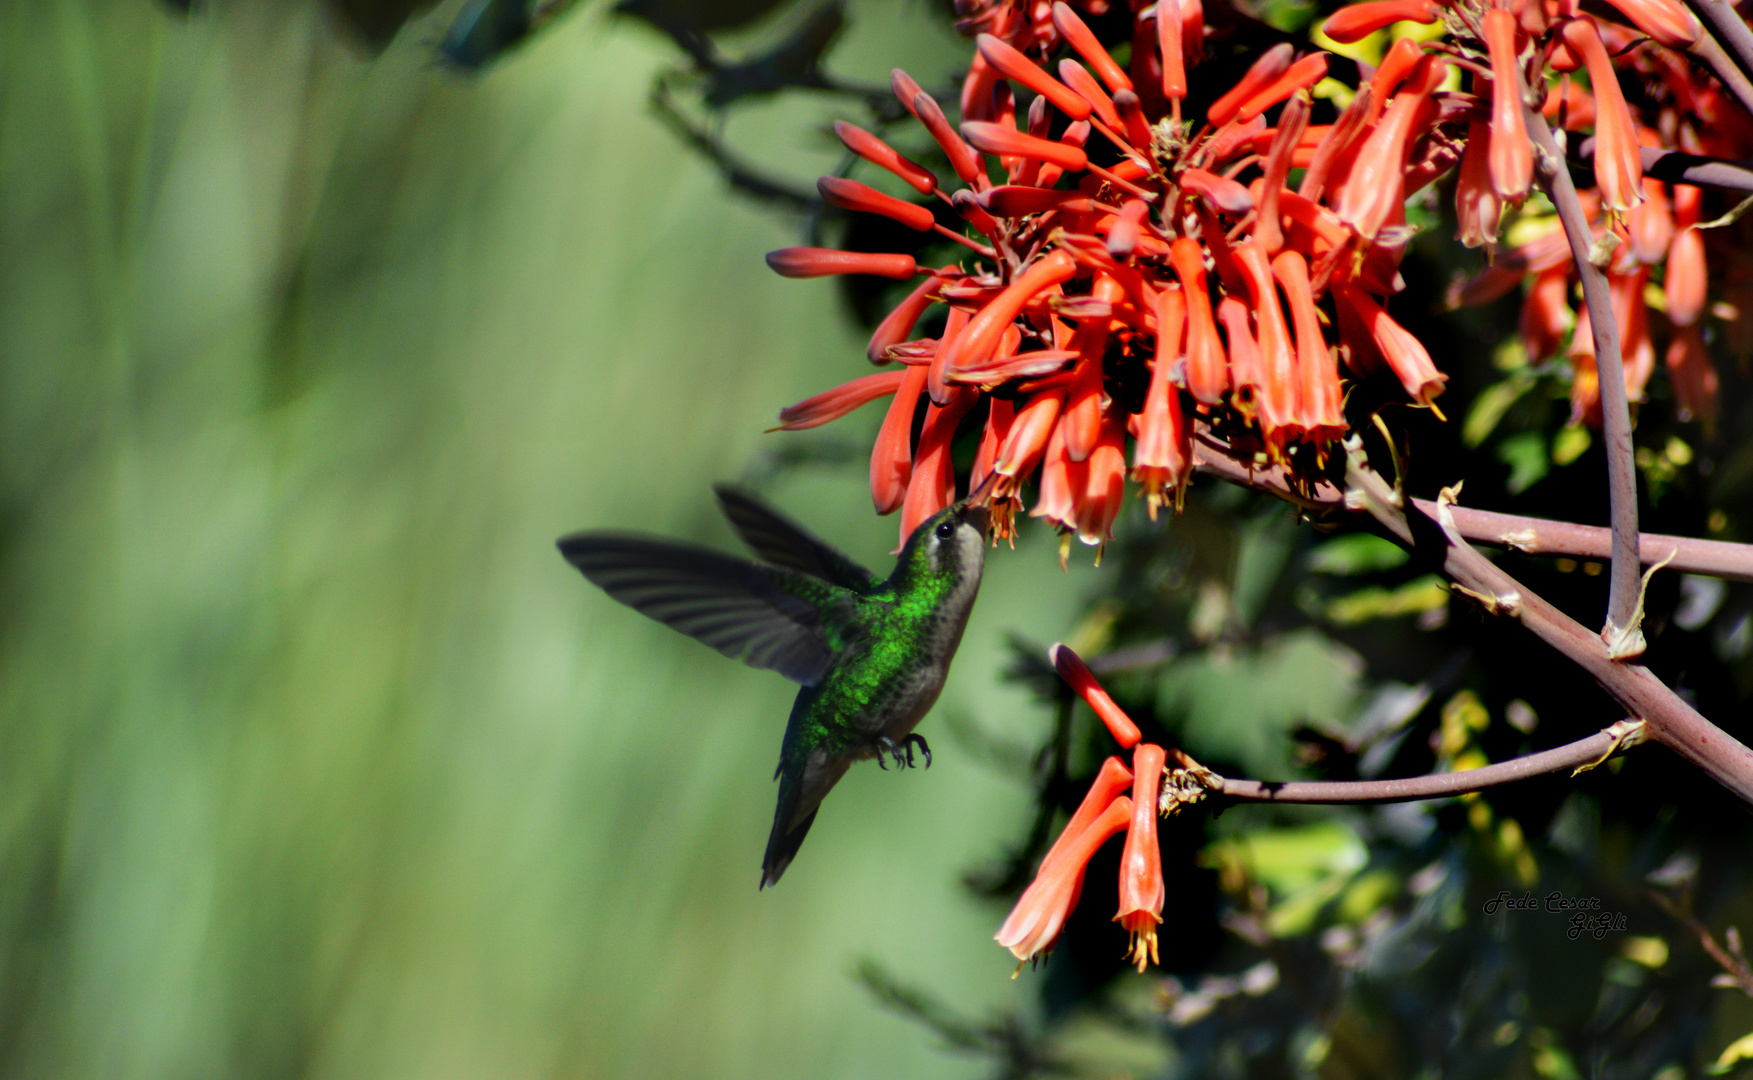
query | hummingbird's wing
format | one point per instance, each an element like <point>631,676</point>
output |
<point>783,542</point>
<point>765,616</point>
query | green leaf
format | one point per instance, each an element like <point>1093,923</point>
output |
<point>1489,407</point>
<point>1358,553</point>
<point>1527,458</point>
<point>1571,442</point>
<point>1413,598</point>
<point>1733,1054</point>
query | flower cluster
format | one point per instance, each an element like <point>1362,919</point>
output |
<point>1034,924</point>
<point>1086,278</point>
<point>1641,225</point>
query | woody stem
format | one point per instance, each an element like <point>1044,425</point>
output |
<point>1624,587</point>
<point>1708,49</point>
<point>1437,785</point>
<point>1723,23</point>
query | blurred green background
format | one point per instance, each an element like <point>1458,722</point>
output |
<point>318,760</point>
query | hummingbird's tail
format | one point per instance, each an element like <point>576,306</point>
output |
<point>782,845</point>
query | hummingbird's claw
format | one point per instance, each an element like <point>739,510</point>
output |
<point>886,746</point>
<point>912,740</point>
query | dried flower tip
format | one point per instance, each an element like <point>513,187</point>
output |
<point>1078,676</point>
<point>808,262</point>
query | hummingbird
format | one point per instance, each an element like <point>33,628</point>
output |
<point>871,654</point>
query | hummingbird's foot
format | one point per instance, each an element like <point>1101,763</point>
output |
<point>886,745</point>
<point>924,748</point>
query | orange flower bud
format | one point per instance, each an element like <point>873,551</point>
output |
<point>1207,372</point>
<point>880,154</point>
<point>1000,415</point>
<point>1301,75</point>
<point>897,326</point>
<point>1320,402</point>
<point>1512,154</point>
<point>1233,139</point>
<point>1618,164</point>
<point>808,262</point>
<point>1083,407</point>
<point>1078,676</point>
<point>1686,281</point>
<point>1477,207</point>
<point>1174,59</point>
<point>1247,370</point>
<point>1079,36</point>
<point>1034,924</point>
<point>1263,73</point>
<point>1104,483</point>
<point>997,139</point>
<point>852,195</point>
<point>1374,188</point>
<point>1062,483</point>
<point>1278,388</point>
<point>833,404</point>
<point>1633,319</point>
<point>1076,76</point>
<point>1354,22</point>
<point>1291,123</point>
<point>1667,21</point>
<point>905,90</point>
<point>891,458</point>
<point>1692,375</point>
<point>1015,65</point>
<point>1028,434</point>
<point>1141,863</point>
<point>1337,143</point>
<point>1546,314</point>
<point>1015,200</point>
<point>963,160</point>
<point>1162,456</point>
<point>1404,353</point>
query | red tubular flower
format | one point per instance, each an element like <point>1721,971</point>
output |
<point>1291,123</point>
<point>1633,319</point>
<point>1174,58</point>
<point>1301,75</point>
<point>1585,383</point>
<point>897,326</point>
<point>1146,67</point>
<point>1685,284</point>
<point>880,154</point>
<point>1546,314</point>
<point>1078,676</point>
<point>1692,375</point>
<point>1131,110</point>
<point>1015,65</point>
<point>963,160</point>
<point>1374,188</point>
<point>1141,863</point>
<point>1076,76</point>
<point>1220,191</point>
<point>1651,224</point>
<point>1077,136</point>
<point>1162,456</point>
<point>1028,435</point>
<point>835,403</point>
<point>981,337</point>
<point>1512,154</point>
<point>1034,924</point>
<point>1112,780</point>
<point>1015,200</point>
<point>1232,140</point>
<point>808,262</point>
<point>1278,389</point>
<point>1320,402</point>
<point>1263,73</point>
<point>998,139</point>
<point>1403,352</point>
<point>1354,22</point>
<point>1618,164</point>
<point>1247,370</point>
<point>857,197</point>
<point>1477,207</point>
<point>1104,484</point>
<point>1396,66</point>
<point>1667,21</point>
<point>1083,408</point>
<point>1335,144</point>
<point>1000,415</point>
<point>891,459</point>
<point>933,483</point>
<point>1079,36</point>
<point>977,101</point>
<point>1207,372</point>
<point>905,90</point>
<point>1062,484</point>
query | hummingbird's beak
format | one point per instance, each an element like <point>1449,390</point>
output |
<point>978,515</point>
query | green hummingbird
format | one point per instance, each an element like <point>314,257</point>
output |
<point>871,654</point>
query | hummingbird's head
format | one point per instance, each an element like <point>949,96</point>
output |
<point>950,544</point>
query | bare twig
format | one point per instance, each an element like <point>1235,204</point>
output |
<point>1708,49</point>
<point>1538,536</point>
<point>1724,23</point>
<point>1674,167</point>
<point>1623,636</point>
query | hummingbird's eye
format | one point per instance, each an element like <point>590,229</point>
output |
<point>946,529</point>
